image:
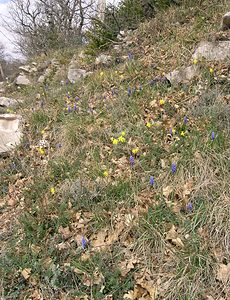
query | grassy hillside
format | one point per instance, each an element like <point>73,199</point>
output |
<point>120,188</point>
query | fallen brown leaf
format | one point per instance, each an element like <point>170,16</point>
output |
<point>173,237</point>
<point>223,273</point>
<point>26,273</point>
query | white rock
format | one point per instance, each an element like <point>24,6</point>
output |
<point>10,133</point>
<point>25,69</point>
<point>226,21</point>
<point>2,87</point>
<point>7,102</point>
<point>103,59</point>
<point>76,74</point>
<point>183,75</point>
<point>213,50</point>
<point>22,79</point>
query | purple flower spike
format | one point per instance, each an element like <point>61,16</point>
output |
<point>130,56</point>
<point>77,98</point>
<point>170,131</point>
<point>59,145</point>
<point>75,107</point>
<point>173,168</point>
<point>13,166</point>
<point>189,206</point>
<point>213,136</point>
<point>185,120</point>
<point>69,109</point>
<point>83,243</point>
<point>129,91</point>
<point>131,160</point>
<point>151,181</point>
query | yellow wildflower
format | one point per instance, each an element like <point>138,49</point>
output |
<point>43,131</point>
<point>148,124</point>
<point>182,133</point>
<point>162,102</point>
<point>121,139</point>
<point>105,173</point>
<point>9,110</point>
<point>173,131</point>
<point>102,73</point>
<point>123,133</point>
<point>135,151</point>
<point>41,150</point>
<point>52,190</point>
<point>211,70</point>
<point>195,61</point>
<point>115,141</point>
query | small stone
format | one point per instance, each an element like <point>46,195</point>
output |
<point>103,59</point>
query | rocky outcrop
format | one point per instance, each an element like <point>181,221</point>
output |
<point>10,133</point>
<point>183,75</point>
<point>225,25</point>
<point>219,50</point>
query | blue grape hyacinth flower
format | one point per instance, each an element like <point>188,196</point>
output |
<point>189,206</point>
<point>83,243</point>
<point>151,181</point>
<point>173,168</point>
<point>131,160</point>
<point>213,136</point>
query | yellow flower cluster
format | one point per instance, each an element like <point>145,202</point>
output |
<point>120,139</point>
<point>135,151</point>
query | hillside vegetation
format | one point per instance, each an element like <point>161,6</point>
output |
<point>120,187</point>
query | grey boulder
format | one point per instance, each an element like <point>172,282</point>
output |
<point>183,75</point>
<point>213,51</point>
<point>226,21</point>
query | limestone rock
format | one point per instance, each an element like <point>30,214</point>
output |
<point>7,102</point>
<point>28,69</point>
<point>219,50</point>
<point>103,59</point>
<point>25,69</point>
<point>183,75</point>
<point>46,74</point>
<point>76,74</point>
<point>22,79</point>
<point>2,87</point>
<point>226,21</point>
<point>10,133</point>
